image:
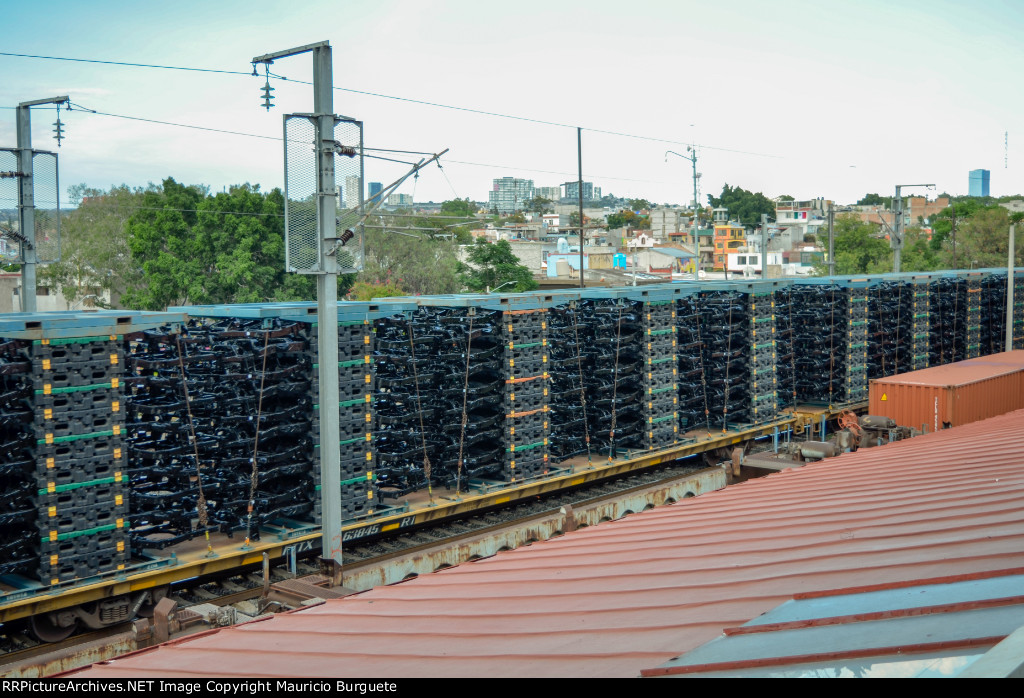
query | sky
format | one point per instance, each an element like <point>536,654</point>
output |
<point>810,99</point>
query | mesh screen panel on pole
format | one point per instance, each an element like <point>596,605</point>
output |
<point>301,213</point>
<point>349,175</point>
<point>10,250</point>
<point>46,188</point>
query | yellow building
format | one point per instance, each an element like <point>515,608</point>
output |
<point>729,237</point>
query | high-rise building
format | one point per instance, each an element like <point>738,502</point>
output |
<point>375,189</point>
<point>509,194</point>
<point>572,191</point>
<point>978,183</point>
<point>353,185</point>
<point>400,200</point>
<point>552,193</point>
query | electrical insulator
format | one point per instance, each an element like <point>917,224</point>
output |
<point>267,97</point>
<point>58,131</point>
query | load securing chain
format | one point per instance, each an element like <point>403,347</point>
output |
<point>831,344</point>
<point>792,346</point>
<point>465,397</point>
<point>201,508</point>
<point>419,410</point>
<point>583,392</point>
<point>615,384</point>
<point>254,476</point>
<point>703,376</point>
<point>728,361</point>
<point>899,307</point>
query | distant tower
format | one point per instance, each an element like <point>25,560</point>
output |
<point>978,183</point>
<point>374,193</point>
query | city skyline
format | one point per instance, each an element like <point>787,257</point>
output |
<point>824,115</point>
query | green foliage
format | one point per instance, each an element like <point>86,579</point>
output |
<point>417,264</point>
<point>95,257</point>
<point>516,217</point>
<point>626,218</point>
<point>858,248</point>
<point>743,205</point>
<point>366,291</point>
<point>786,197</point>
<point>194,248</point>
<point>640,205</point>
<point>539,204</point>
<point>459,207</point>
<point>493,265</point>
<point>874,200</point>
<point>983,238</point>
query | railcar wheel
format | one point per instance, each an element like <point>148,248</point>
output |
<point>44,629</point>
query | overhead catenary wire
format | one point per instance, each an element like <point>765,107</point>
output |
<point>410,100</point>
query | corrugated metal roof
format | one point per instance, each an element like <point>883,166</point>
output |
<point>959,373</point>
<point>617,598</point>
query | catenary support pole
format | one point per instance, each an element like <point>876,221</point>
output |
<point>327,310</point>
<point>326,301</point>
<point>26,210</point>
<point>26,200</point>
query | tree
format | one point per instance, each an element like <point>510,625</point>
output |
<point>493,265</point>
<point>459,207</point>
<point>417,264</point>
<point>640,205</point>
<point>785,197</point>
<point>743,205</point>
<point>629,220</point>
<point>858,248</point>
<point>874,200</point>
<point>194,248</point>
<point>95,257</point>
<point>366,291</point>
<point>539,204</point>
<point>982,239</point>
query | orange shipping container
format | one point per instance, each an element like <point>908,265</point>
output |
<point>950,395</point>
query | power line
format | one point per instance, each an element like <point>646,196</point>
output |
<point>131,65</point>
<point>365,148</point>
<point>410,100</point>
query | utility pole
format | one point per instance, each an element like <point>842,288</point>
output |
<point>579,162</point>
<point>692,157</point>
<point>831,240</point>
<point>327,300</point>
<point>696,232</point>
<point>26,201</point>
<point>897,242</point>
<point>764,245</point>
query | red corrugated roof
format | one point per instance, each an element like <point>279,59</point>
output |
<point>631,594</point>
